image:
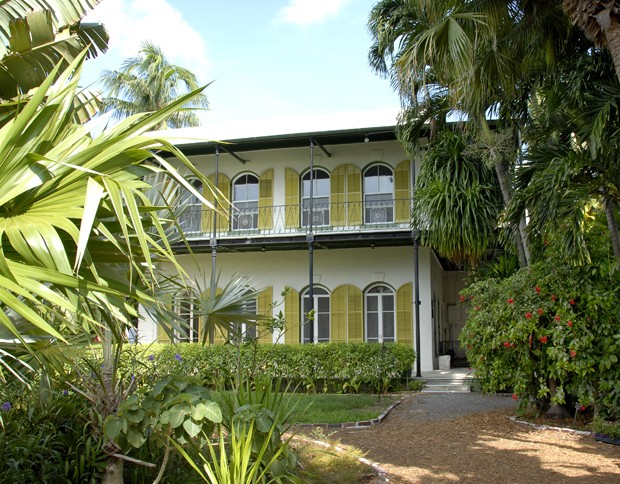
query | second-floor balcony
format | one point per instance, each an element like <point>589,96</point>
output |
<point>248,221</point>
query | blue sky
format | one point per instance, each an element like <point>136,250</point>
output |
<point>272,63</point>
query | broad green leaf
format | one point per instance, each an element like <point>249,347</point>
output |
<point>192,428</point>
<point>135,438</point>
<point>135,416</point>
<point>112,427</point>
<point>177,415</point>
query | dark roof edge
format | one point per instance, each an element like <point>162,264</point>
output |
<point>294,140</point>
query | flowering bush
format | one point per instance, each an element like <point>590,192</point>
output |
<point>550,334</point>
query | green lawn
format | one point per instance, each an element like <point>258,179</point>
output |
<point>333,408</point>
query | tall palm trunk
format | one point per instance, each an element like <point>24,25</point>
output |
<point>612,224</point>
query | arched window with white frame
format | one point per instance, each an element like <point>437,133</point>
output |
<point>190,219</point>
<point>245,202</point>
<point>378,194</point>
<point>320,198</point>
<point>185,307</point>
<point>380,320</point>
<point>316,330</point>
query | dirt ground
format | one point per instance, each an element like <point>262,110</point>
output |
<point>481,445</point>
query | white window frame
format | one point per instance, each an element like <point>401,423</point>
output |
<point>320,204</point>
<point>322,293</point>
<point>380,313</point>
<point>249,210</point>
<point>380,210</point>
<point>191,318</point>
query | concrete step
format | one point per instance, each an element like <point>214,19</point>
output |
<point>447,385</point>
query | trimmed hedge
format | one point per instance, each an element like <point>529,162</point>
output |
<point>327,367</point>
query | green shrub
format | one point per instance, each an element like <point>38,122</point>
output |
<point>549,333</point>
<point>334,367</point>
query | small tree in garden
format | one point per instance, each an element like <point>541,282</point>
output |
<point>550,334</point>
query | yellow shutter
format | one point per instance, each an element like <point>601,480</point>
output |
<point>291,198</point>
<point>338,319</point>
<point>354,195</point>
<point>265,200</point>
<point>264,304</point>
<point>404,319</point>
<point>338,198</point>
<point>402,192</point>
<point>346,314</point>
<point>291,313</point>
<point>162,336</point>
<point>223,185</point>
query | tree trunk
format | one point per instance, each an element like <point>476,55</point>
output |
<point>500,169</point>
<point>113,471</point>
<point>612,36</point>
<point>612,224</point>
<point>555,410</point>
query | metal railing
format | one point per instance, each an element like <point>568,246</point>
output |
<point>383,215</point>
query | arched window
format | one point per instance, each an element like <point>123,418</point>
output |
<point>245,203</point>
<point>317,330</point>
<point>243,331</point>
<point>185,307</point>
<point>380,315</point>
<point>320,198</point>
<point>190,218</point>
<point>378,194</point>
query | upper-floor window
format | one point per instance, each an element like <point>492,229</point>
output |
<point>378,194</point>
<point>190,218</point>
<point>320,198</point>
<point>380,315</point>
<point>185,307</point>
<point>245,202</point>
<point>317,329</point>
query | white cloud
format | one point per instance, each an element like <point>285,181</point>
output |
<point>303,12</point>
<point>130,22</point>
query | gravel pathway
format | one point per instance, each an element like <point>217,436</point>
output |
<point>445,406</point>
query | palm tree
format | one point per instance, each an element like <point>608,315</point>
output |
<point>600,21</point>
<point>148,83</point>
<point>34,37</point>
<point>484,54</point>
<point>573,165</point>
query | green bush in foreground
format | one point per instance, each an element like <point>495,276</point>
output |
<point>550,333</point>
<point>334,367</point>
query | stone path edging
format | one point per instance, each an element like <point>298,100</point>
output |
<point>549,427</point>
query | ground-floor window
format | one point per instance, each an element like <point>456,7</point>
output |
<point>190,320</point>
<point>380,318</point>
<point>241,332</point>
<point>317,329</point>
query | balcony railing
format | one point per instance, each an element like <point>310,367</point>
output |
<point>375,216</point>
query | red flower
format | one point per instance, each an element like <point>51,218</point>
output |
<point>553,297</point>
<point>514,396</point>
<point>573,353</point>
<point>572,302</point>
<point>511,301</point>
<point>506,344</point>
<point>528,315</point>
<point>537,289</point>
<point>477,308</point>
<point>583,408</point>
<point>543,339</point>
<point>569,324</point>
<point>557,317</point>
<point>462,298</point>
<point>540,311</point>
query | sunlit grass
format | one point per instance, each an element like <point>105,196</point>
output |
<point>330,408</point>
